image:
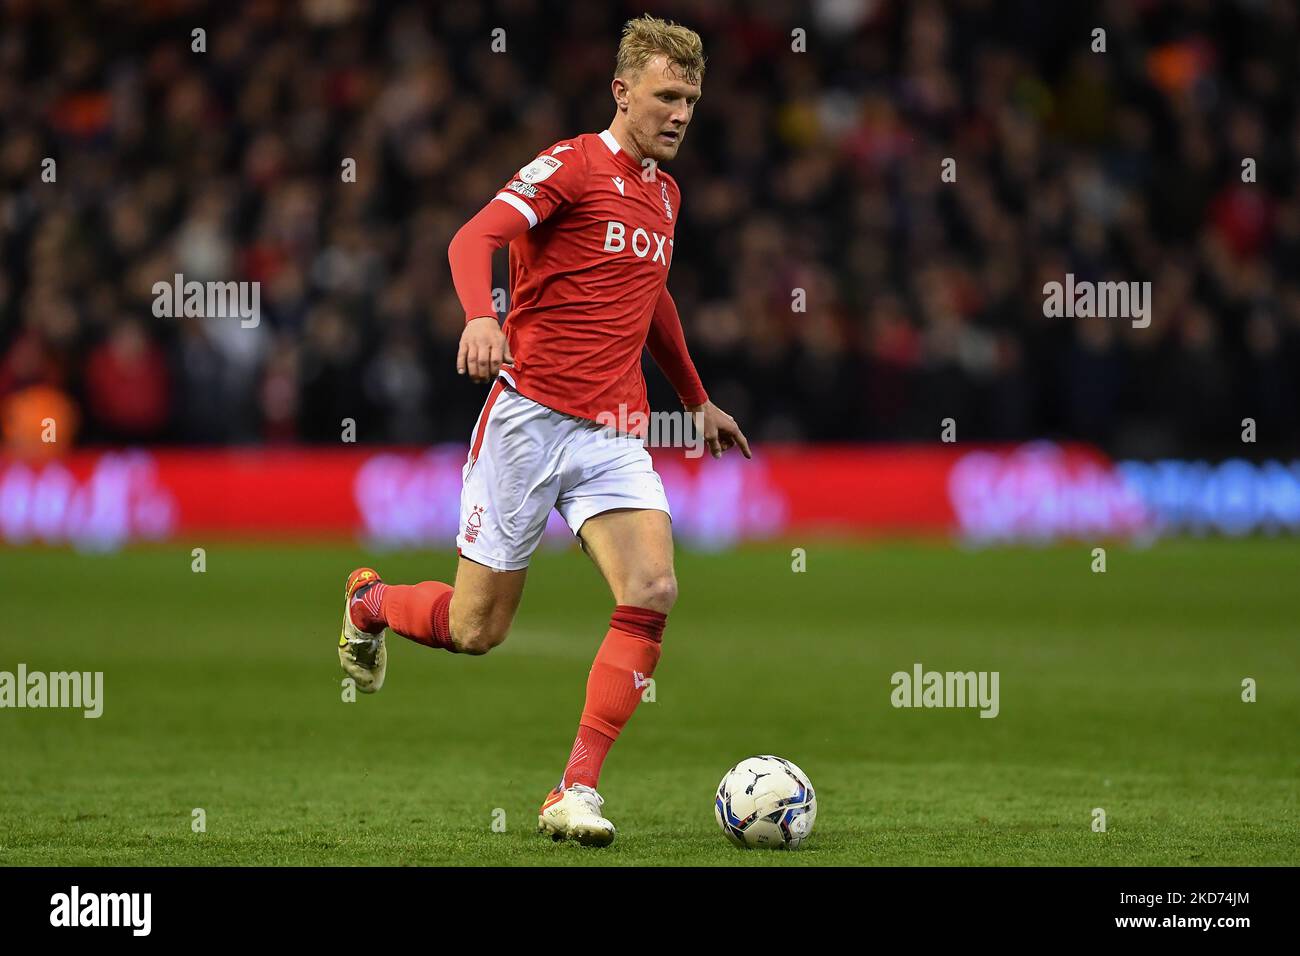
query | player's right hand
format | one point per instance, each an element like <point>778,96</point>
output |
<point>483,347</point>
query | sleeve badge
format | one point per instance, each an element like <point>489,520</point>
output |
<point>540,169</point>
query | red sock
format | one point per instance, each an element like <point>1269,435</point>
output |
<point>420,612</point>
<point>625,661</point>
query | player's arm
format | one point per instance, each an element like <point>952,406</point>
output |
<point>483,346</point>
<point>667,344</point>
<point>536,192</point>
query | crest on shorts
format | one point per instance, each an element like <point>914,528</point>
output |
<point>475,524</point>
<point>539,169</point>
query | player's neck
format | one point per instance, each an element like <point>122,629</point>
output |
<point>625,141</point>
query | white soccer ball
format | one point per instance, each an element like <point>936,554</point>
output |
<point>766,802</point>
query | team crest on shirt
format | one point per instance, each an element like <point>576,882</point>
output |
<point>540,169</point>
<point>668,206</point>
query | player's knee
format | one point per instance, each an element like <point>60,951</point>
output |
<point>477,632</point>
<point>476,640</point>
<point>478,637</point>
<point>658,593</point>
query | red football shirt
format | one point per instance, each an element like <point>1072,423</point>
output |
<point>585,277</point>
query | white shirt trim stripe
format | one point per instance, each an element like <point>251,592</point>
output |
<point>524,209</point>
<point>608,139</point>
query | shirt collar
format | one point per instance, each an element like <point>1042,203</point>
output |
<point>607,137</point>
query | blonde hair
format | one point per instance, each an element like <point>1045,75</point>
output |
<point>647,35</point>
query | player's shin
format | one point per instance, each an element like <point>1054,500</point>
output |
<point>619,675</point>
<point>419,612</point>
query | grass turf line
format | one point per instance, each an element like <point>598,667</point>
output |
<point>222,691</point>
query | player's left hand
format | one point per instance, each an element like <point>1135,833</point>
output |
<point>719,429</point>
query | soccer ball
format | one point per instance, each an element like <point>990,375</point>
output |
<point>766,802</point>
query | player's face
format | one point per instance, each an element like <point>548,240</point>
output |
<point>659,108</point>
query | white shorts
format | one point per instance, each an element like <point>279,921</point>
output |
<point>526,459</point>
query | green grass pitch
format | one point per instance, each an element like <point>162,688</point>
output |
<point>223,692</point>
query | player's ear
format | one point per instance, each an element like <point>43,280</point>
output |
<point>619,87</point>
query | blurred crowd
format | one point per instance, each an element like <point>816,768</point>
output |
<point>833,286</point>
